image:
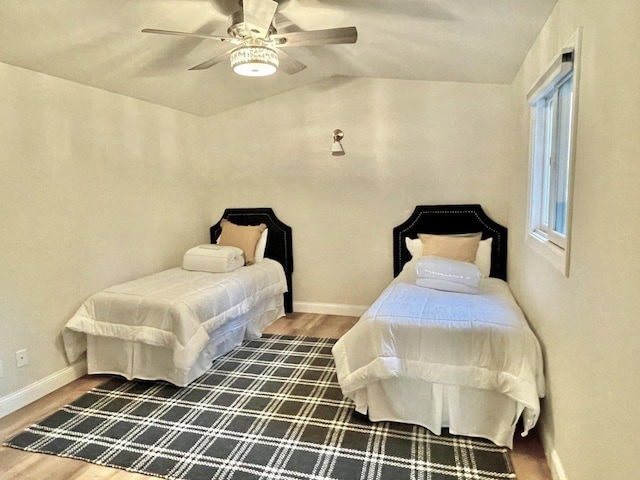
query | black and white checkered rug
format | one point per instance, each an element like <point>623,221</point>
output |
<point>270,409</point>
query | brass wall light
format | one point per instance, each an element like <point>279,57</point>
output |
<point>336,148</point>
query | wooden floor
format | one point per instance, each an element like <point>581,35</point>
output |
<point>528,456</point>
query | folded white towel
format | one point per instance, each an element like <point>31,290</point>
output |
<point>445,274</point>
<point>214,250</point>
<point>213,258</point>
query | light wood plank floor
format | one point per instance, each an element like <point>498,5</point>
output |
<point>528,456</point>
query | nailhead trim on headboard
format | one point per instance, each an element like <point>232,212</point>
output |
<point>459,219</point>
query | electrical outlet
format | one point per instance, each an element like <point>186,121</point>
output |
<point>22,358</point>
<point>1,369</point>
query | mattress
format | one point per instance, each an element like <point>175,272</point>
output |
<point>178,311</point>
<point>444,341</point>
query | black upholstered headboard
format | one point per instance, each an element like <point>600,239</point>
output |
<point>451,219</point>
<point>279,239</point>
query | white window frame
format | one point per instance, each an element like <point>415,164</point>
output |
<point>541,236</point>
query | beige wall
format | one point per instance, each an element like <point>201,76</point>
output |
<point>407,143</point>
<point>95,189</point>
<point>589,323</point>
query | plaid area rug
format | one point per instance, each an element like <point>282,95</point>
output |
<point>270,409</point>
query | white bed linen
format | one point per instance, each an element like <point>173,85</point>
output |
<point>481,343</point>
<point>176,309</point>
<point>149,362</point>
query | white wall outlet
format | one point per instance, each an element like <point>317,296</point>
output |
<point>22,358</point>
<point>1,369</point>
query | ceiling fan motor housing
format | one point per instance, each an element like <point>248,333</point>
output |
<point>237,28</point>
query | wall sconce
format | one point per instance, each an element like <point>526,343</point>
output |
<point>336,148</point>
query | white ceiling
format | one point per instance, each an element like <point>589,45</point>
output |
<point>99,43</point>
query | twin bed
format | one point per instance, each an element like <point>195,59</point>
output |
<point>170,326</point>
<point>439,359</point>
<point>434,358</point>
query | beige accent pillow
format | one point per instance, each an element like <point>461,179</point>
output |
<point>455,247</point>
<point>244,237</point>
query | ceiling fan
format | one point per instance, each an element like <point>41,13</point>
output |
<point>257,43</point>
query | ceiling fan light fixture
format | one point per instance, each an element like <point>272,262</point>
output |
<point>254,60</point>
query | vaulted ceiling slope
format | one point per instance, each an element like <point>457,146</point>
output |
<point>100,44</point>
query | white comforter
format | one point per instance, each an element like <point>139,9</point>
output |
<point>176,309</point>
<point>481,341</point>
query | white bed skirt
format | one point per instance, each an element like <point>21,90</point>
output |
<point>464,410</point>
<point>107,355</point>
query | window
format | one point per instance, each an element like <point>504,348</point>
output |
<point>553,106</point>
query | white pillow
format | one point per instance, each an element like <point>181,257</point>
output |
<point>454,271</point>
<point>483,257</point>
<point>448,275</point>
<point>414,245</point>
<point>262,245</point>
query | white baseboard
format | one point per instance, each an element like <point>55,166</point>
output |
<point>23,397</point>
<point>330,308</point>
<point>555,465</point>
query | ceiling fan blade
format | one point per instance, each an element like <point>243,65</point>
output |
<point>316,37</point>
<point>212,61</point>
<point>288,64</point>
<point>285,24</point>
<point>258,15</point>
<point>195,35</point>
<point>225,7</point>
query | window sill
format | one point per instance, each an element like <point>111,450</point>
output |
<point>556,256</point>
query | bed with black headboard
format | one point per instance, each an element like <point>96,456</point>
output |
<point>170,325</point>
<point>439,358</point>
<point>279,243</point>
